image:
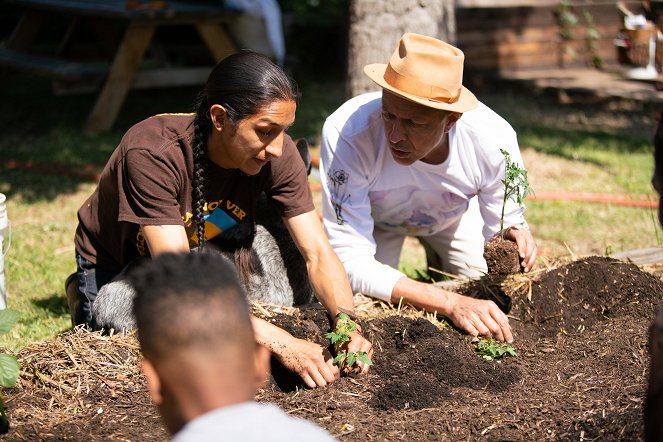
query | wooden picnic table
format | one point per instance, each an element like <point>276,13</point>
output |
<point>123,71</point>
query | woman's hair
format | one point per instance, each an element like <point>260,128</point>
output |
<point>243,83</point>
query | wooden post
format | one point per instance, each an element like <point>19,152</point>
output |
<point>376,26</point>
<point>120,78</point>
<point>25,31</point>
<point>216,38</point>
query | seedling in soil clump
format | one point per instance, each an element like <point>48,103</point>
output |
<point>338,337</point>
<point>502,255</point>
<point>492,349</point>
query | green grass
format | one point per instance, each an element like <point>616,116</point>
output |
<point>41,255</point>
<point>591,229</point>
<point>567,154</point>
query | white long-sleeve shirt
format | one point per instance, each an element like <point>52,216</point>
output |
<point>364,187</point>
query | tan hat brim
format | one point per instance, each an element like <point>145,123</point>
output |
<point>466,100</point>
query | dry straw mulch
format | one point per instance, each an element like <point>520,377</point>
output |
<point>82,385</point>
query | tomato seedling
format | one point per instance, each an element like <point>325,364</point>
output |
<point>339,336</point>
<point>491,349</point>
<point>516,185</point>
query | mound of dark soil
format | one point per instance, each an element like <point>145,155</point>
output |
<point>576,296</point>
<point>579,374</point>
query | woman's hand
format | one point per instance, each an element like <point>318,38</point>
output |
<point>313,363</point>
<point>359,343</point>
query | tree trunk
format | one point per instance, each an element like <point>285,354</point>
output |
<point>376,26</point>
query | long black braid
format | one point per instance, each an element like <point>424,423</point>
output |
<point>243,83</point>
<point>202,125</point>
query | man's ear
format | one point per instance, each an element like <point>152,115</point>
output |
<point>261,357</point>
<point>219,116</point>
<point>153,381</point>
<point>451,119</point>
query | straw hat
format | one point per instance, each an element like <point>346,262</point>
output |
<point>427,71</point>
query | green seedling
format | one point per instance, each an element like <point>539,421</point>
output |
<point>338,337</point>
<point>8,364</point>
<point>516,185</point>
<point>491,349</point>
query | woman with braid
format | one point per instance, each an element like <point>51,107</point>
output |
<point>178,181</point>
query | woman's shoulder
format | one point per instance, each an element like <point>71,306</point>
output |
<point>155,131</point>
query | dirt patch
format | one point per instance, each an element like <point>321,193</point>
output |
<point>579,373</point>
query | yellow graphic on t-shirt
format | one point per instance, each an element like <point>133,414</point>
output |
<point>219,220</point>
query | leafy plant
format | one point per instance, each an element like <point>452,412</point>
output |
<point>592,35</point>
<point>339,337</point>
<point>516,185</point>
<point>491,349</point>
<point>568,21</point>
<point>8,364</point>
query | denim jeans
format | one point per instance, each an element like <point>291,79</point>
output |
<point>90,280</point>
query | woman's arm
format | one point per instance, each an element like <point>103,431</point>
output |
<point>326,272</point>
<point>165,238</point>
<point>313,363</point>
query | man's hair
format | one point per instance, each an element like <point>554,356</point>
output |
<point>190,301</point>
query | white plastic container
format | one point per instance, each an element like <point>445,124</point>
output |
<point>5,241</point>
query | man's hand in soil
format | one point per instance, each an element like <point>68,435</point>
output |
<point>526,246</point>
<point>313,363</point>
<point>480,317</point>
<point>474,316</point>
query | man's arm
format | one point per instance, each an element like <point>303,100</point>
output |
<point>475,316</point>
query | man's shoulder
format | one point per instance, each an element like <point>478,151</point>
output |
<point>483,119</point>
<point>356,113</point>
<point>356,116</point>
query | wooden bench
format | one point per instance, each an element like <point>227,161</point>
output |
<point>115,76</point>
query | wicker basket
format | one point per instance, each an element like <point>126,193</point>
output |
<point>637,47</point>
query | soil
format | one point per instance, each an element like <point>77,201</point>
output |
<point>502,257</point>
<point>579,374</point>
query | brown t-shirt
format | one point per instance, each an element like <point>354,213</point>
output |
<point>148,180</point>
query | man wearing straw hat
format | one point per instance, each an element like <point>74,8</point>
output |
<point>420,158</point>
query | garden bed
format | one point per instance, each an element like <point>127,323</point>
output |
<point>579,374</point>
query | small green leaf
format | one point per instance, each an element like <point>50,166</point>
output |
<point>352,358</point>
<point>343,317</point>
<point>8,370</point>
<point>364,358</point>
<point>8,318</point>
<point>333,337</point>
<point>338,360</point>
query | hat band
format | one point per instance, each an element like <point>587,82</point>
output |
<point>418,88</point>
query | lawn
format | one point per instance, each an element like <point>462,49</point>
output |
<point>566,148</point>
